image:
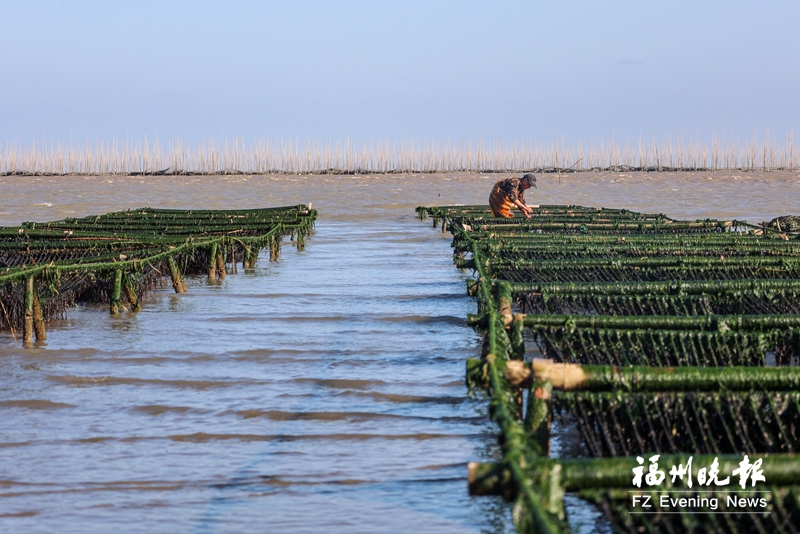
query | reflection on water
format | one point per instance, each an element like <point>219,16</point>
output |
<point>321,392</point>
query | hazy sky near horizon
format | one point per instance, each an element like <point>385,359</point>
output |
<point>386,69</point>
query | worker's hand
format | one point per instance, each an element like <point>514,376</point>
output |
<point>527,211</point>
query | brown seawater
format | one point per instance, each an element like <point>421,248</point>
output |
<point>323,392</point>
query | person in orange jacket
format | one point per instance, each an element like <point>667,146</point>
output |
<point>509,194</point>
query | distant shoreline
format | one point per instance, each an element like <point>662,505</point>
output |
<point>343,172</point>
<point>266,157</point>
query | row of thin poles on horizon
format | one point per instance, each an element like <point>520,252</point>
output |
<point>305,157</point>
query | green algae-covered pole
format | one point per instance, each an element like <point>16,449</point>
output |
<point>175,274</point>
<point>246,260</point>
<point>130,292</point>
<point>687,287</point>
<point>584,473</point>
<point>221,264</point>
<point>38,317</point>
<point>576,377</point>
<point>27,327</point>
<point>116,292</point>
<point>539,415</point>
<point>666,322</point>
<point>212,266</point>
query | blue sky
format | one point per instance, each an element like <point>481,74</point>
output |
<point>397,69</point>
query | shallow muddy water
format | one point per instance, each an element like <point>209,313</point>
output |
<point>321,393</point>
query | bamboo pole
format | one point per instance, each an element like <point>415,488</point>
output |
<point>504,301</point>
<point>38,318</point>
<point>27,330</point>
<point>130,293</point>
<point>539,415</point>
<point>576,377</point>
<point>221,265</point>
<point>642,263</point>
<point>116,292</point>
<point>247,256</point>
<point>688,287</point>
<point>273,250</point>
<point>175,274</point>
<point>585,473</point>
<point>212,268</point>
<point>666,322</point>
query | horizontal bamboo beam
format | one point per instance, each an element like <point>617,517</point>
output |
<point>651,322</point>
<point>688,287</point>
<point>493,478</point>
<point>616,227</point>
<point>576,377</point>
<point>630,244</point>
<point>643,263</point>
<point>664,322</point>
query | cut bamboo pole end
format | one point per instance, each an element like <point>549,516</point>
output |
<point>564,376</point>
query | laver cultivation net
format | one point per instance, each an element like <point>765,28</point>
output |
<point>118,257</point>
<point>665,342</point>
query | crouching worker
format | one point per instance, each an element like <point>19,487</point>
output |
<point>509,194</point>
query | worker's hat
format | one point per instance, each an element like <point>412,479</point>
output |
<point>531,179</point>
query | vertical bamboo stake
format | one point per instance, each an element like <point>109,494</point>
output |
<point>517,340</point>
<point>116,293</point>
<point>540,415</point>
<point>27,330</point>
<point>38,318</point>
<point>130,292</point>
<point>177,282</point>
<point>221,265</point>
<point>517,353</point>
<point>212,268</point>
<point>247,256</point>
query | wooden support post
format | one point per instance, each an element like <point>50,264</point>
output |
<point>116,293</point>
<point>177,282</point>
<point>301,243</point>
<point>38,317</point>
<point>233,259</point>
<point>130,292</point>
<point>27,328</point>
<point>212,268</point>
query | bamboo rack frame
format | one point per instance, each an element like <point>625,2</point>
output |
<point>584,245</point>
<point>46,267</point>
